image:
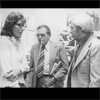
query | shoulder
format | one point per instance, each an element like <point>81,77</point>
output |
<point>4,39</point>
<point>34,46</point>
<point>5,42</point>
<point>95,41</point>
<point>57,44</point>
<point>95,44</point>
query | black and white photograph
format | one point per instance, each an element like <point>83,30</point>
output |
<point>49,47</point>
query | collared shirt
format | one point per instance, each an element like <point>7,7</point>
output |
<point>47,56</point>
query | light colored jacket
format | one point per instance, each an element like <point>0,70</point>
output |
<point>86,70</point>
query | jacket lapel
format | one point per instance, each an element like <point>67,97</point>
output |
<point>36,53</point>
<point>83,52</point>
<point>52,53</point>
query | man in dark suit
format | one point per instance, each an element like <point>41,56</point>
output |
<point>85,66</point>
<point>53,52</point>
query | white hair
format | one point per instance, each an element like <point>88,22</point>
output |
<point>84,21</point>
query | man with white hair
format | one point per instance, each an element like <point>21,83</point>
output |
<point>85,65</point>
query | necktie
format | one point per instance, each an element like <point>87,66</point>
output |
<point>76,53</point>
<point>71,66</point>
<point>40,64</point>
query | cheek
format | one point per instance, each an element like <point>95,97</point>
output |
<point>45,39</point>
<point>15,31</point>
<point>75,34</point>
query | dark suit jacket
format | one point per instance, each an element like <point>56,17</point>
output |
<point>86,70</point>
<point>55,49</point>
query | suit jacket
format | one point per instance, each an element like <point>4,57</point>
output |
<point>86,70</point>
<point>55,49</point>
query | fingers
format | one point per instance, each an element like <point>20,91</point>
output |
<point>12,78</point>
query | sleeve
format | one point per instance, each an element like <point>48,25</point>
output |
<point>25,66</point>
<point>95,67</point>
<point>29,78</point>
<point>62,56</point>
<point>32,57</point>
<point>5,58</point>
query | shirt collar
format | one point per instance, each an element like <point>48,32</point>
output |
<point>15,41</point>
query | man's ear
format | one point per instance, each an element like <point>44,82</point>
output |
<point>79,29</point>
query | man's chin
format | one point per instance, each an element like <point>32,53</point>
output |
<point>41,42</point>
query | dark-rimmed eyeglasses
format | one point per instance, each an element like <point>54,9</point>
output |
<point>42,35</point>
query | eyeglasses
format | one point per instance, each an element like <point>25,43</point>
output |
<point>42,35</point>
<point>21,26</point>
